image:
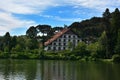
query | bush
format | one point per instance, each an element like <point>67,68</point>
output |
<point>33,56</point>
<point>20,55</point>
<point>4,55</point>
<point>14,56</point>
<point>116,58</point>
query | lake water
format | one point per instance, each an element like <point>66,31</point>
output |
<point>57,70</point>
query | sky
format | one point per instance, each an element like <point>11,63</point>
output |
<point>16,16</point>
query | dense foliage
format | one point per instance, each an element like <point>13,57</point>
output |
<point>100,35</point>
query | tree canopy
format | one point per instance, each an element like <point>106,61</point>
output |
<point>102,33</point>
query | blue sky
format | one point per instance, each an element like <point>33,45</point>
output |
<point>16,16</point>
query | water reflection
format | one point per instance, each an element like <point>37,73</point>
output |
<point>57,70</point>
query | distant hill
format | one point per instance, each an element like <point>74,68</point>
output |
<point>89,29</point>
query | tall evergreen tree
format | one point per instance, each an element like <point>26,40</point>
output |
<point>103,45</point>
<point>32,32</point>
<point>13,41</point>
<point>44,29</point>
<point>1,43</point>
<point>117,47</point>
<point>115,26</point>
<point>106,20</point>
<point>7,41</point>
<point>107,14</point>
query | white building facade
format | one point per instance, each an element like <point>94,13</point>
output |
<point>61,40</point>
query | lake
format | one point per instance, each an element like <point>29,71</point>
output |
<point>57,70</point>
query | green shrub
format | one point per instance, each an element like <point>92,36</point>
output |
<point>73,57</point>
<point>33,56</point>
<point>4,55</point>
<point>116,58</point>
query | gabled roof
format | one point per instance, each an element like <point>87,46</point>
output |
<point>56,36</point>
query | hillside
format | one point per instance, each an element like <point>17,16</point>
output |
<point>90,28</point>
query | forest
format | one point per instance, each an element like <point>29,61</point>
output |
<point>102,32</point>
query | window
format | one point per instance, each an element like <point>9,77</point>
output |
<point>64,40</point>
<point>73,36</point>
<point>54,44</point>
<point>64,44</point>
<point>64,36</point>
<point>59,48</point>
<point>63,48</point>
<point>69,36</point>
<point>54,48</point>
<point>49,48</point>
<point>59,40</point>
<point>59,44</point>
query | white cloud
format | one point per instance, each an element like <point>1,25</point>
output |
<point>37,6</point>
<point>61,19</point>
<point>8,8</point>
<point>8,22</point>
<point>67,19</point>
<point>94,4</point>
<point>25,6</point>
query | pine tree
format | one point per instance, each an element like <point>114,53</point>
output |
<point>7,41</point>
<point>117,47</point>
<point>31,32</point>
<point>106,19</point>
<point>103,45</point>
<point>115,26</point>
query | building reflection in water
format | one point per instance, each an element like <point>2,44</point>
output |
<point>56,70</point>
